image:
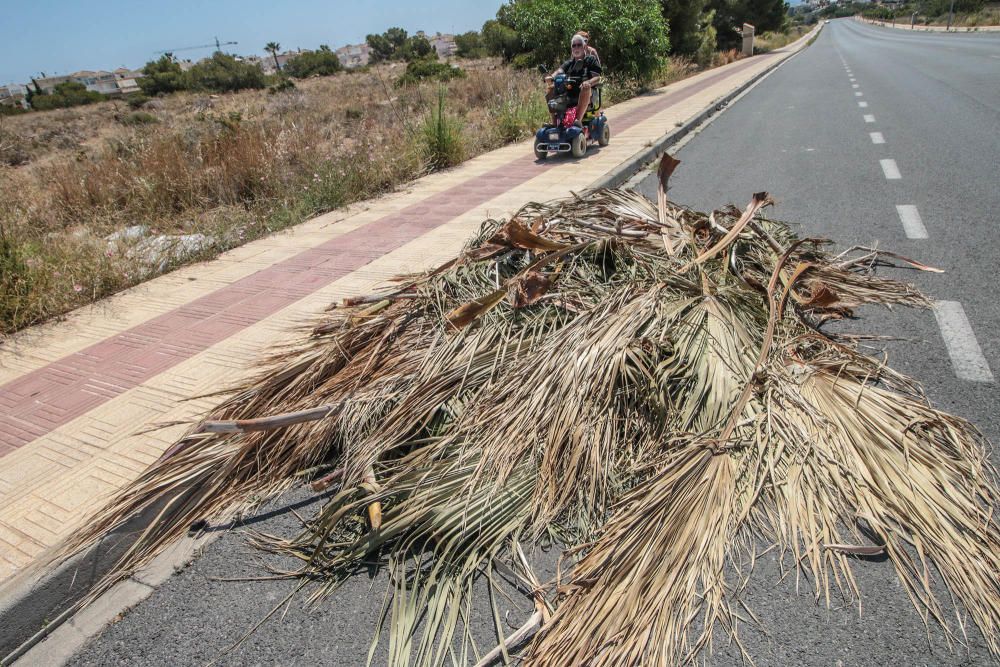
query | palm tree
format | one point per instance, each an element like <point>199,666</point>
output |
<point>273,48</point>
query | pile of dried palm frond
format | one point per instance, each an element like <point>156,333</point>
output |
<point>648,386</point>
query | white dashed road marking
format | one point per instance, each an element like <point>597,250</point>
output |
<point>877,137</point>
<point>869,118</point>
<point>890,169</point>
<point>855,85</point>
<point>912,224</point>
<point>863,105</point>
<point>858,94</point>
<point>966,356</point>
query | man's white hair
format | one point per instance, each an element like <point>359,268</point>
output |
<point>574,37</point>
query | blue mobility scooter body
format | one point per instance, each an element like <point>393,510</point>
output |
<point>570,138</point>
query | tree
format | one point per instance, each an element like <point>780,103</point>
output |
<point>500,39</point>
<point>684,21</point>
<point>730,15</point>
<point>314,63</point>
<point>387,46</point>
<point>631,36</point>
<point>163,76</point>
<point>708,40</point>
<point>469,45</point>
<point>224,73</point>
<point>379,48</point>
<point>395,44</point>
<point>273,48</point>
<point>397,37</point>
<point>417,48</point>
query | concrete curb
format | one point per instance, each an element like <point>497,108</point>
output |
<point>623,172</point>
<point>35,604</point>
<point>46,600</point>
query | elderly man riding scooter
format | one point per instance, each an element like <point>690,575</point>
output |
<point>584,65</point>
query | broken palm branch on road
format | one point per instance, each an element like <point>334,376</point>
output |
<point>647,384</point>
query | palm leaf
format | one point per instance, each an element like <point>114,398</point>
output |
<point>649,385</point>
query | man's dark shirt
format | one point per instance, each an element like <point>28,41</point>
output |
<point>584,68</point>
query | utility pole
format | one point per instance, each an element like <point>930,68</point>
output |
<point>951,12</point>
<point>913,19</point>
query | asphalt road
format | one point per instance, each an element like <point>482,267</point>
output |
<point>800,135</point>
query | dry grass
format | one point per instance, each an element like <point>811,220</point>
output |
<point>989,16</point>
<point>234,167</point>
<point>770,41</point>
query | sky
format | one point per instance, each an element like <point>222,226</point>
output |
<point>63,36</point>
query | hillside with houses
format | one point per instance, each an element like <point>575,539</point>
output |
<point>124,81</point>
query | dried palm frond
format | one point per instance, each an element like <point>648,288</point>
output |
<point>646,384</point>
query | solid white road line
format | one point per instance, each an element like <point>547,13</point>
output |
<point>863,105</point>
<point>877,137</point>
<point>890,169</point>
<point>869,118</point>
<point>966,356</point>
<point>912,224</point>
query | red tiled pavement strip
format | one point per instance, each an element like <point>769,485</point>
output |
<point>52,395</point>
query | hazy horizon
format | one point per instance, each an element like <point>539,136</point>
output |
<point>61,37</point>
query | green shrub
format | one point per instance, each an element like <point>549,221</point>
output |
<point>515,118</point>
<point>138,118</point>
<point>469,45</point>
<point>395,44</point>
<point>524,61</point>
<point>66,94</point>
<point>314,63</point>
<point>283,85</point>
<point>708,41</point>
<point>417,48</point>
<point>12,110</point>
<point>499,39</point>
<point>442,137</point>
<point>423,70</point>
<point>14,284</point>
<point>223,73</point>
<point>631,35</point>
<point>163,76</point>
<point>136,100</point>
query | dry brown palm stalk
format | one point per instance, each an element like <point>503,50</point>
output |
<point>647,383</point>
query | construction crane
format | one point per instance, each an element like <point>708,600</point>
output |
<point>218,47</point>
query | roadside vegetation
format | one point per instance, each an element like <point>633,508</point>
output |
<point>102,195</point>
<point>967,13</point>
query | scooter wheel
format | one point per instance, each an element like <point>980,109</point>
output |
<point>579,145</point>
<point>540,154</point>
<point>605,137</point>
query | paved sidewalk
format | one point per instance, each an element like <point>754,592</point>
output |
<point>74,395</point>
